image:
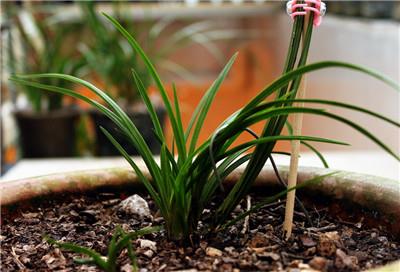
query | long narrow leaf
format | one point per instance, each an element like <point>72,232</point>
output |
<point>311,147</point>
<point>279,138</point>
<point>206,101</point>
<point>125,124</point>
<point>179,119</point>
<point>97,258</point>
<point>71,93</point>
<point>286,78</point>
<point>135,46</point>
<point>149,106</point>
<point>141,176</point>
<point>287,110</point>
<point>135,234</point>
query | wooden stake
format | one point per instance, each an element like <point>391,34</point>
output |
<point>295,151</point>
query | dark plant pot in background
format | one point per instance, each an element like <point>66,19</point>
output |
<point>47,134</point>
<point>142,121</point>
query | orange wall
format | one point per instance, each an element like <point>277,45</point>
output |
<point>256,66</point>
<point>244,82</point>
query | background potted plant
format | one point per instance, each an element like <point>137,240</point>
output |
<point>107,55</point>
<point>106,58</point>
<point>46,124</point>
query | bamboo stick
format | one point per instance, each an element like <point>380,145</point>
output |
<point>295,151</point>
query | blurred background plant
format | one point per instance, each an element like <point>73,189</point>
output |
<point>47,125</point>
<point>44,39</point>
<point>37,46</point>
<point>107,56</point>
<point>109,60</point>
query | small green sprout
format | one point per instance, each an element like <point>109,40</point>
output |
<point>119,241</point>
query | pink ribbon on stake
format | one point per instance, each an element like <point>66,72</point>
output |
<point>295,9</point>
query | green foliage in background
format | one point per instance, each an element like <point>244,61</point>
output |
<point>108,54</point>
<point>43,49</point>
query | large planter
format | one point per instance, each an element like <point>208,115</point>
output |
<point>348,192</point>
<point>50,134</point>
<point>142,121</point>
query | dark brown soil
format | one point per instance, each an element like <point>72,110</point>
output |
<point>331,244</point>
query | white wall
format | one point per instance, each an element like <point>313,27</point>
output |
<point>373,43</point>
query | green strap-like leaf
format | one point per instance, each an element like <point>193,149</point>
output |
<point>204,105</point>
<point>125,123</point>
<point>311,147</point>
<point>149,106</point>
<point>278,138</point>
<point>126,238</point>
<point>286,78</point>
<point>96,257</point>
<point>141,176</point>
<point>178,118</point>
<point>135,46</point>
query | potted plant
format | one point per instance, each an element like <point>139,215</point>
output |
<point>184,187</point>
<point>46,124</point>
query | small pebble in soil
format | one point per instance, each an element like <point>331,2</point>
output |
<point>345,262</point>
<point>135,205</point>
<point>144,243</point>
<point>319,263</point>
<point>213,252</point>
<point>328,243</point>
<point>230,249</point>
<point>148,253</point>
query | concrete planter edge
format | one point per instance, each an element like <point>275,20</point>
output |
<point>374,193</point>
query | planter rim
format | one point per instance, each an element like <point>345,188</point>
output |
<point>92,179</point>
<point>380,194</point>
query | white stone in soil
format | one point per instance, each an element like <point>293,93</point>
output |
<point>345,262</point>
<point>126,268</point>
<point>148,253</point>
<point>213,252</point>
<point>144,243</point>
<point>135,205</point>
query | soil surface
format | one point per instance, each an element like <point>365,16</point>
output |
<point>255,244</point>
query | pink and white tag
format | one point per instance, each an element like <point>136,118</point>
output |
<point>293,8</point>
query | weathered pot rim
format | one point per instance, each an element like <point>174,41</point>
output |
<point>341,186</point>
<point>374,193</point>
